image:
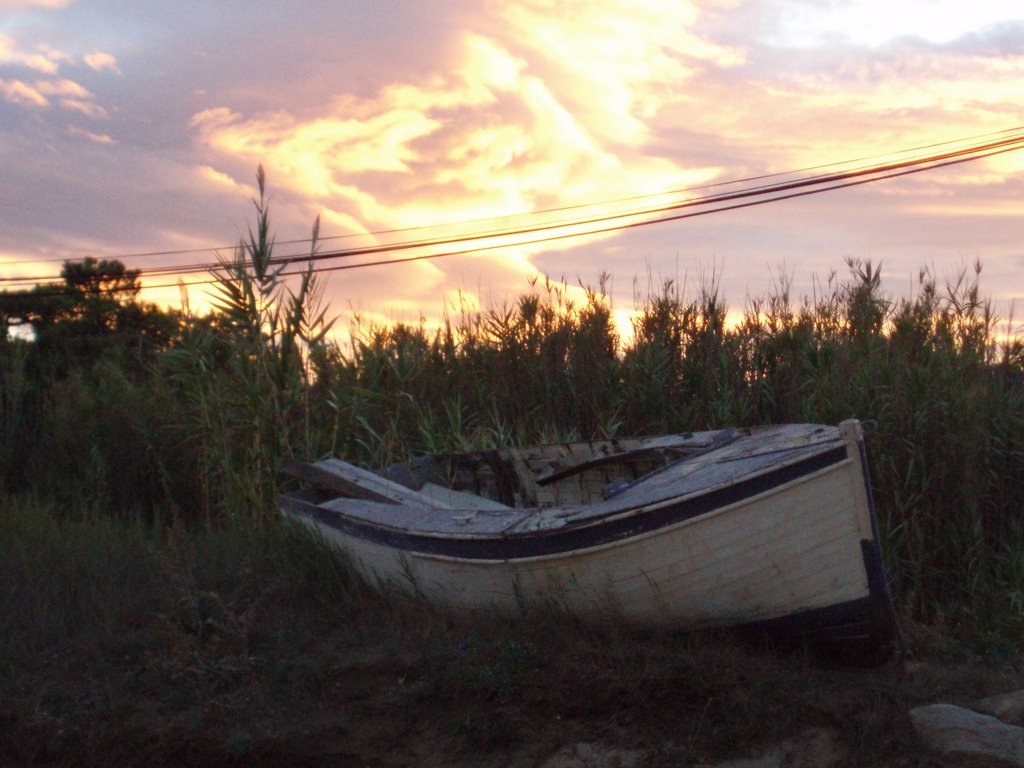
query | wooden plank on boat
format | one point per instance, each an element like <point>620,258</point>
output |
<point>668,447</point>
<point>357,483</point>
<point>449,497</point>
<point>413,474</point>
<point>439,521</point>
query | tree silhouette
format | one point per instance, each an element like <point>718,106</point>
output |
<point>95,311</point>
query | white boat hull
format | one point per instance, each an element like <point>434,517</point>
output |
<point>792,547</point>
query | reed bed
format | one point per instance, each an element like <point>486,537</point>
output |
<point>192,430</point>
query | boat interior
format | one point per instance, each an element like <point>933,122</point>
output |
<point>551,485</point>
<point>562,474</point>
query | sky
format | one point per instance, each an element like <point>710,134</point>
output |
<point>136,126</point>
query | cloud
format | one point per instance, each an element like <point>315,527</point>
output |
<point>87,108</point>
<point>878,22</point>
<point>999,39</point>
<point>501,132</point>
<point>101,61</point>
<point>99,138</point>
<point>43,92</point>
<point>612,62</point>
<point>788,108</point>
<point>68,94</point>
<point>405,114</point>
<point>539,106</point>
<point>44,61</point>
<point>11,5</point>
<point>19,92</point>
<point>206,173</point>
<point>62,87</point>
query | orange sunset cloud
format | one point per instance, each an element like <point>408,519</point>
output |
<point>487,117</point>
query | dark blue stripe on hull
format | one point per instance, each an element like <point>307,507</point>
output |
<point>557,541</point>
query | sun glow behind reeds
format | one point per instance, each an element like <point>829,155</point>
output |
<point>384,122</point>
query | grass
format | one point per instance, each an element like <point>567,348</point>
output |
<point>255,645</point>
<point>108,623</point>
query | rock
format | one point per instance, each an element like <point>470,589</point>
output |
<point>1008,707</point>
<point>813,748</point>
<point>963,733</point>
<point>586,755</point>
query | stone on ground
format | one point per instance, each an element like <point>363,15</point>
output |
<point>971,736</point>
<point>1008,707</point>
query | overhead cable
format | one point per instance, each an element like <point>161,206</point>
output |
<point>601,224</point>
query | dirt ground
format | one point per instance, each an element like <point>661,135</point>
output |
<point>251,647</point>
<point>430,694</point>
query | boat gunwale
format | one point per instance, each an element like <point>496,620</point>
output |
<point>695,519</point>
<point>633,522</point>
<point>574,514</point>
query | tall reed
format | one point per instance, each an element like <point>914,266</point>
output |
<point>241,376</point>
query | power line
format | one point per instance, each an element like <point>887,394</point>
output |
<point>586,226</point>
<point>930,162</point>
<point>187,268</point>
<point>551,238</point>
<point>732,207</point>
<point>560,209</point>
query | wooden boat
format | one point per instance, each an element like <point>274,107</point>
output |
<point>769,528</point>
